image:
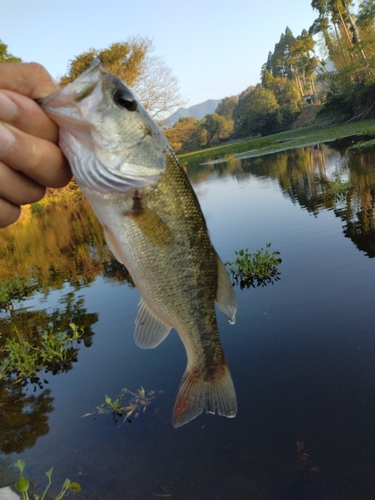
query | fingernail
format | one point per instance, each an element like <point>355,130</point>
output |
<point>6,139</point>
<point>8,109</point>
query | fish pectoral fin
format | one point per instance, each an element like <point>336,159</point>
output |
<point>151,225</point>
<point>150,331</point>
<point>198,392</point>
<point>225,297</point>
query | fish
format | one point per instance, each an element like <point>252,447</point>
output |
<point>154,225</point>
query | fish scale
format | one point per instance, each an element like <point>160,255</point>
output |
<point>154,225</point>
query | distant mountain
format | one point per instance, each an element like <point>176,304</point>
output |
<point>198,110</point>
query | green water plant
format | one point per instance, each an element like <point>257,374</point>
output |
<point>139,402</point>
<point>15,289</point>
<point>23,484</point>
<point>339,188</point>
<point>23,362</point>
<point>254,269</point>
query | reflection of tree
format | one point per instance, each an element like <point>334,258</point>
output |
<point>35,332</point>
<point>302,176</point>
<point>62,243</point>
<point>23,418</point>
<point>359,210</point>
<point>32,323</point>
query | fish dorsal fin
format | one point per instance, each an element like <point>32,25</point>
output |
<point>151,225</point>
<point>150,331</point>
<point>225,297</point>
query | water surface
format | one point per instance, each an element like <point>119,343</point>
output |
<point>301,353</point>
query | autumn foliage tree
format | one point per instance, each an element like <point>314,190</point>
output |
<point>6,56</point>
<point>148,76</point>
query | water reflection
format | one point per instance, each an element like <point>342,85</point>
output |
<point>24,418</point>
<point>301,353</point>
<point>308,175</point>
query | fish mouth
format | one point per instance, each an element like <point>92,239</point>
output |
<point>80,88</point>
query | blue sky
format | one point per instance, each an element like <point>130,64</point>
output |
<point>215,48</point>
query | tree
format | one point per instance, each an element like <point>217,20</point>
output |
<point>217,127</point>
<point>288,98</point>
<point>149,77</point>
<point>257,111</point>
<point>157,88</point>
<point>226,107</point>
<point>182,132</point>
<point>6,56</point>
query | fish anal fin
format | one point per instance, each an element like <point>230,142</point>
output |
<point>150,331</point>
<point>149,222</point>
<point>225,297</point>
<point>197,393</point>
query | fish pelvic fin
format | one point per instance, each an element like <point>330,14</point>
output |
<point>150,331</point>
<point>225,297</point>
<point>196,393</point>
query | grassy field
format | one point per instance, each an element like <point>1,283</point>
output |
<point>290,139</point>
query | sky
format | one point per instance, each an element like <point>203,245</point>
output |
<point>215,48</point>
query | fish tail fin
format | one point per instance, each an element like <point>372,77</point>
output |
<point>198,392</point>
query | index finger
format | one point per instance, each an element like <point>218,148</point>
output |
<point>29,79</point>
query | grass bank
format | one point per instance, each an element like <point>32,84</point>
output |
<point>290,139</point>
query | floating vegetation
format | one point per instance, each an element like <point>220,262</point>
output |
<point>257,269</point>
<point>138,403</point>
<point>23,484</point>
<point>338,188</point>
<point>359,146</point>
<point>23,362</point>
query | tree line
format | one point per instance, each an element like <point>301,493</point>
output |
<point>332,64</point>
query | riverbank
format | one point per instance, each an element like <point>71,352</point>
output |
<point>290,139</point>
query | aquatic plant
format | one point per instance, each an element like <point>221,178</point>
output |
<point>15,289</point>
<point>251,270</point>
<point>338,188</point>
<point>359,146</point>
<point>23,484</point>
<point>23,362</point>
<point>139,403</point>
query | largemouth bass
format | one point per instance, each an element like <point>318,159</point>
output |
<point>154,225</point>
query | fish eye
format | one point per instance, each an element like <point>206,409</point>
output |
<point>125,100</point>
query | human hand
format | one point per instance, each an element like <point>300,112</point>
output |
<point>30,159</point>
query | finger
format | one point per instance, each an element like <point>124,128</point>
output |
<point>17,188</point>
<point>29,79</point>
<point>9,213</point>
<point>24,114</point>
<point>37,158</point>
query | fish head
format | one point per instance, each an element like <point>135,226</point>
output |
<point>111,142</point>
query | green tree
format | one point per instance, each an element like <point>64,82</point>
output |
<point>288,98</point>
<point>217,127</point>
<point>256,112</point>
<point>6,56</point>
<point>226,107</point>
